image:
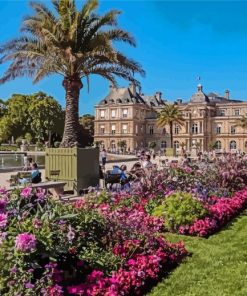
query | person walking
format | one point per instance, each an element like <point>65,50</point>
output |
<point>103,156</point>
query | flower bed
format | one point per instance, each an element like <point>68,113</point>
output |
<point>220,213</point>
<point>52,249</point>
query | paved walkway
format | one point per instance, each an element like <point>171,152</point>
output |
<point>6,175</point>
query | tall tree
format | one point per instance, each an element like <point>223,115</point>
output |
<point>73,43</point>
<point>45,113</point>
<point>170,115</point>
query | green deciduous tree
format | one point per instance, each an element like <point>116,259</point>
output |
<point>45,114</point>
<point>73,43</point>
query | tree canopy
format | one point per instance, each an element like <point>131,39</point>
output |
<point>74,43</point>
<point>33,116</point>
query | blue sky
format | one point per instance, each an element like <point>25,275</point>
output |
<point>176,43</point>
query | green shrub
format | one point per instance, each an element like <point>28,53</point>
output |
<point>179,209</point>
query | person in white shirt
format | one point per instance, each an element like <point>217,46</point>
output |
<point>146,163</point>
<point>103,156</point>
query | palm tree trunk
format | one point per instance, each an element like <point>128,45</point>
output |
<point>171,135</point>
<point>72,135</point>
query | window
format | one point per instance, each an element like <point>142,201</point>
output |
<point>141,128</point>
<point>176,144</point>
<point>151,130</point>
<point>102,113</point>
<point>245,145</point>
<point>218,129</point>
<point>113,113</point>
<point>236,112</point>
<point>163,131</point>
<point>176,129</point>
<point>163,145</point>
<point>113,145</point>
<point>102,129</point>
<point>233,145</point>
<point>125,128</point>
<point>222,112</point>
<point>125,113</point>
<point>194,128</point>
<point>218,145</point>
<point>113,129</point>
<point>233,129</point>
<point>136,128</point>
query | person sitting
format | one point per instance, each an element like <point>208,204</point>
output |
<point>137,171</point>
<point>147,164</point>
<point>116,170</point>
<point>35,175</point>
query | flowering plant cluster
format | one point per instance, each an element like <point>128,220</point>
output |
<point>52,249</point>
<point>220,213</point>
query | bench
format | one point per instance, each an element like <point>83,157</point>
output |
<point>111,178</point>
<point>56,187</point>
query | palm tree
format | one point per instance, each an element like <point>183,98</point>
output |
<point>169,115</point>
<point>242,122</point>
<point>73,43</point>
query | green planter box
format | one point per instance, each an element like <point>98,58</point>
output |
<point>78,167</point>
<point>170,152</point>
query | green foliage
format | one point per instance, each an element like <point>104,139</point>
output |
<point>51,221</point>
<point>217,267</point>
<point>179,209</point>
<point>28,138</point>
<point>8,148</point>
<point>31,116</point>
<point>152,145</point>
<point>19,141</point>
<point>45,113</point>
<point>87,124</point>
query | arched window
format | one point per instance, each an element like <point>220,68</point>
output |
<point>164,131</point>
<point>176,144</point>
<point>113,144</point>
<point>233,145</point>
<point>163,145</point>
<point>245,145</point>
<point>218,145</point>
<point>194,128</point>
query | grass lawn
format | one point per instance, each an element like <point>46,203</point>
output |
<point>217,267</point>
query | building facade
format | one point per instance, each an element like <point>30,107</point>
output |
<point>129,116</point>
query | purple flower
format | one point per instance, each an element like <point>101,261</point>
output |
<point>29,286</point>
<point>26,192</point>
<point>3,220</point>
<point>3,203</point>
<point>40,193</point>
<point>25,242</point>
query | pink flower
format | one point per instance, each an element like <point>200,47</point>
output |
<point>26,192</point>
<point>25,242</point>
<point>3,220</point>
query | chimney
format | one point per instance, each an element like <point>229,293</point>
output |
<point>199,88</point>
<point>158,95</point>
<point>179,101</point>
<point>132,88</point>
<point>227,94</point>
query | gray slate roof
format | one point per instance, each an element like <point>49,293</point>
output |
<point>125,96</point>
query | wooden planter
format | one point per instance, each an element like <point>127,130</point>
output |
<point>78,167</point>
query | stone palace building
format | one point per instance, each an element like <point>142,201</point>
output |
<point>126,115</point>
